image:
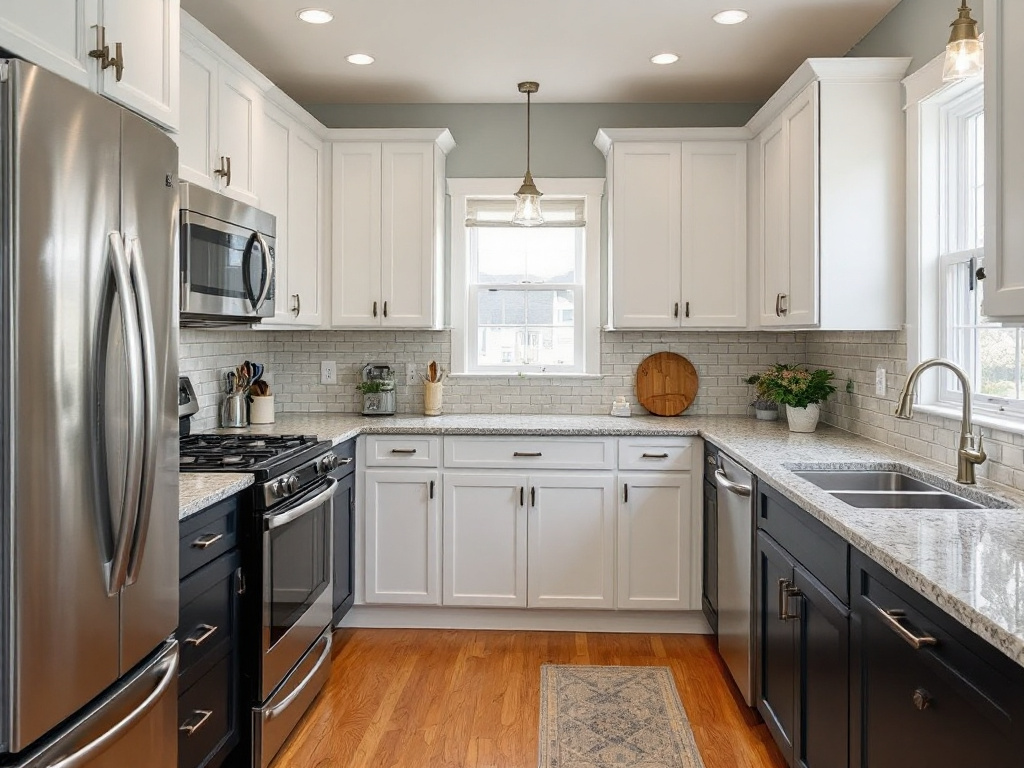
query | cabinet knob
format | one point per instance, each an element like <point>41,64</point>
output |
<point>922,699</point>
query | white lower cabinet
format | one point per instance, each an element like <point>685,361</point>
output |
<point>571,540</point>
<point>485,540</point>
<point>656,518</point>
<point>402,536</point>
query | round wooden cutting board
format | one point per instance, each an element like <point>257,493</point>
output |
<point>666,383</point>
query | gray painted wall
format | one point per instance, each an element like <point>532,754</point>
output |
<point>918,28</point>
<point>491,138</point>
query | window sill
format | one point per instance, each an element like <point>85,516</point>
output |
<point>1012,425</point>
<point>525,375</point>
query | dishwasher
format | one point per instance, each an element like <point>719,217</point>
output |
<point>735,572</point>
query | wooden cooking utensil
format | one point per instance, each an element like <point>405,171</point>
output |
<point>666,383</point>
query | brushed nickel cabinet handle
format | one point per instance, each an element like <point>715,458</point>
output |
<point>207,540</point>
<point>102,53</point>
<point>189,727</point>
<point>665,456</point>
<point>893,619</point>
<point>786,591</point>
<point>784,303</point>
<point>206,632</point>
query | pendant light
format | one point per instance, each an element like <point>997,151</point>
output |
<point>528,197</point>
<point>964,56</point>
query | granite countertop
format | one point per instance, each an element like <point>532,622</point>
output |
<point>968,562</point>
<point>198,490</point>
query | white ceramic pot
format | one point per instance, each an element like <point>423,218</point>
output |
<point>766,414</point>
<point>262,410</point>
<point>803,419</point>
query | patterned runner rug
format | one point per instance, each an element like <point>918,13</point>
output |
<point>613,717</point>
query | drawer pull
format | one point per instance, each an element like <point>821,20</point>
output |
<point>654,456</point>
<point>193,724</point>
<point>786,591</point>
<point>205,630</point>
<point>922,699</point>
<point>892,619</point>
<point>404,451</point>
<point>207,540</point>
<point>527,454</point>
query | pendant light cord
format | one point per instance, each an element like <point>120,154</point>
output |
<point>527,131</point>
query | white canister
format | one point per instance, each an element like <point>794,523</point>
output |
<point>262,410</point>
<point>432,394</point>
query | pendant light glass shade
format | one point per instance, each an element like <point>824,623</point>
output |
<point>964,54</point>
<point>528,213</point>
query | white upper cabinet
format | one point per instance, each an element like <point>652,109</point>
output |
<point>222,113</point>
<point>828,199</point>
<point>289,184</point>
<point>60,34</point>
<point>387,224</point>
<point>1004,161</point>
<point>678,251</point>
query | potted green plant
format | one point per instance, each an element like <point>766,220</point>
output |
<point>800,390</point>
<point>378,395</point>
<point>765,409</point>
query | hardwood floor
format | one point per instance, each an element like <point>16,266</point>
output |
<point>470,699</point>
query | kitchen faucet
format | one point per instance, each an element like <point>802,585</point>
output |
<point>971,450</point>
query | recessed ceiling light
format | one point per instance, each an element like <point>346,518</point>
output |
<point>315,15</point>
<point>731,17</point>
<point>664,58</point>
<point>359,59</point>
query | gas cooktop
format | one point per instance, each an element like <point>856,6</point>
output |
<point>263,455</point>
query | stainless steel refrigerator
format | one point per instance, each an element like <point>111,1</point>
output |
<point>89,449</point>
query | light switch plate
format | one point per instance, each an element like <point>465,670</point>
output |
<point>880,381</point>
<point>328,372</point>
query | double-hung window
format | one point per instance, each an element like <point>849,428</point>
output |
<point>525,299</point>
<point>989,353</point>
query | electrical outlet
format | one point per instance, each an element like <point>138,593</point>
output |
<point>410,373</point>
<point>880,381</point>
<point>328,372</point>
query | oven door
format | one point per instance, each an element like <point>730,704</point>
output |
<point>227,270</point>
<point>297,593</point>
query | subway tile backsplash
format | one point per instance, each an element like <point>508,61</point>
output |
<point>723,360</point>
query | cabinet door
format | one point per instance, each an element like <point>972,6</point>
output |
<point>344,530</point>
<point>149,32</point>
<point>305,182</point>
<point>197,134</point>
<point>645,232</point>
<point>55,34</point>
<point>823,736</point>
<point>239,106</point>
<point>408,256</point>
<point>656,567</point>
<point>355,249</point>
<point>776,674</point>
<point>571,541</point>
<point>800,304</point>
<point>714,234</point>
<point>485,539</point>
<point>774,143</point>
<point>272,171</point>
<point>1004,160</point>
<point>403,522</point>
<point>709,556</point>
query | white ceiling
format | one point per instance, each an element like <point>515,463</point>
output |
<point>472,51</point>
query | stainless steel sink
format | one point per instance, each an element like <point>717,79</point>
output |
<point>898,500</point>
<point>864,480</point>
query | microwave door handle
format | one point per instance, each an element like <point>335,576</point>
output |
<point>283,518</point>
<point>268,272</point>
<point>136,406</point>
<point>246,259</point>
<point>152,415</point>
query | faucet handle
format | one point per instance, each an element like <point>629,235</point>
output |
<point>976,446</point>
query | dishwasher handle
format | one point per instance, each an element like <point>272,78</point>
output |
<point>729,485</point>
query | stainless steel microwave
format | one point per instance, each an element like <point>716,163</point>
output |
<point>227,259</point>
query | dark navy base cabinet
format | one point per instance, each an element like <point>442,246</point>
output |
<point>953,702</point>
<point>344,530</point>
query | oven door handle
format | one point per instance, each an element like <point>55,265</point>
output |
<point>283,518</point>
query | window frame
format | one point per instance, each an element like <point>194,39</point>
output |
<point>586,307</point>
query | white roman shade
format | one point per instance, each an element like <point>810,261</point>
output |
<point>497,212</point>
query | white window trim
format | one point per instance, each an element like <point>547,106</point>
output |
<point>591,190</point>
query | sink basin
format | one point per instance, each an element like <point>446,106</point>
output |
<point>904,500</point>
<point>864,480</point>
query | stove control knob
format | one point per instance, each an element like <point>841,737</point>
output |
<point>328,463</point>
<point>292,484</point>
<point>277,489</point>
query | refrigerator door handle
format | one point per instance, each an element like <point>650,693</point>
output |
<point>136,406</point>
<point>151,407</point>
<point>165,671</point>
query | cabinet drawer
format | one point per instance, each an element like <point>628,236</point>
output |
<point>651,454</point>
<point>403,451</point>
<point>529,452</point>
<point>207,618</point>
<point>822,551</point>
<point>207,536</point>
<point>206,716</point>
